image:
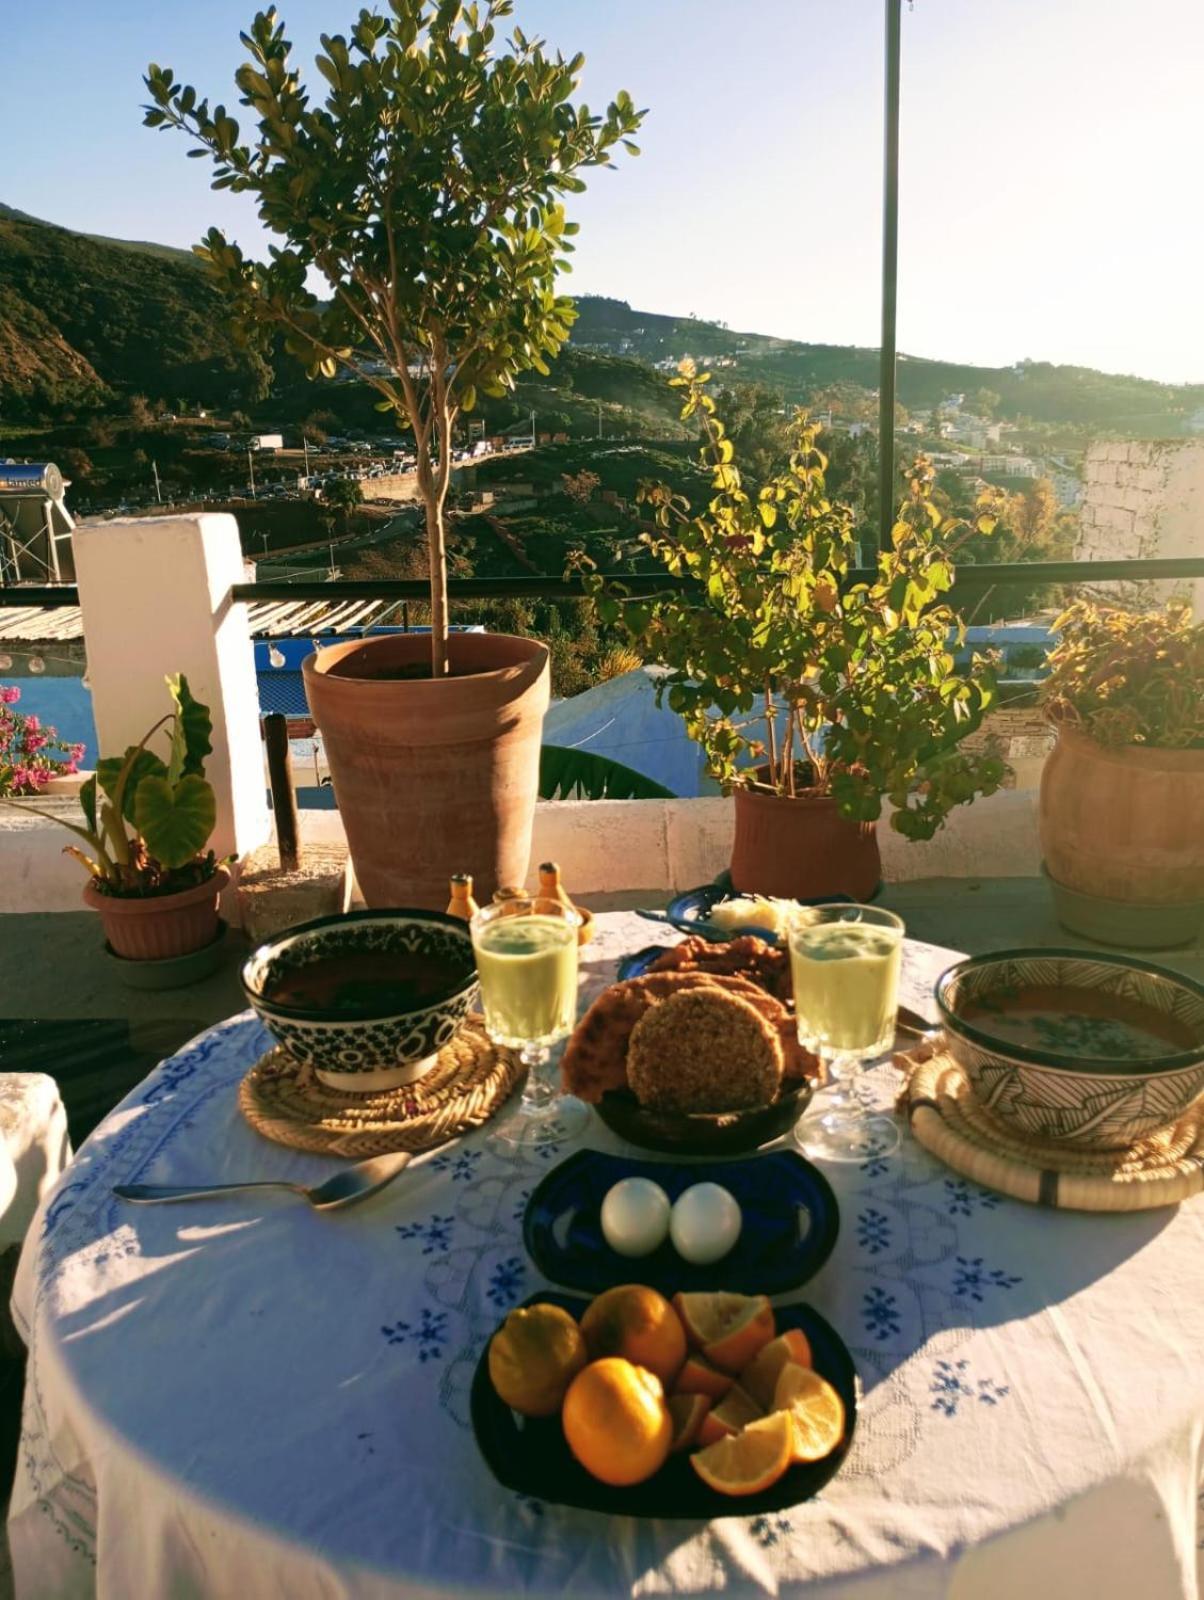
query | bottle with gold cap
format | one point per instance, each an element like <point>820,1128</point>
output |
<point>462,903</point>
<point>550,886</point>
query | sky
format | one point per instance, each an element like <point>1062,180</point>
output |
<point>1052,153</point>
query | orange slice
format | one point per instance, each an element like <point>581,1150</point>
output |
<point>729,1329</point>
<point>752,1460</point>
<point>735,1411</point>
<point>698,1376</point>
<point>815,1410</point>
<point>687,1412</point>
<point>760,1376</point>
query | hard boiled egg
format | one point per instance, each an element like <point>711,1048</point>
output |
<point>635,1216</point>
<point>705,1223</point>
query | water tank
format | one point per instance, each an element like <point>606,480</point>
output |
<point>31,478</point>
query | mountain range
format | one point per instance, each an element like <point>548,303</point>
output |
<point>86,320</point>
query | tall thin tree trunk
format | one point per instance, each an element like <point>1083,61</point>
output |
<point>436,542</point>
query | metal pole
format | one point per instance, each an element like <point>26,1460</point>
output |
<point>251,470</point>
<point>890,276</point>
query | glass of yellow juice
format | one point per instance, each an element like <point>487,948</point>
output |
<point>845,962</point>
<point>526,950</point>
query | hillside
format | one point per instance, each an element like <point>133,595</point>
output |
<point>87,320</point>
<point>83,319</point>
<point>1037,390</point>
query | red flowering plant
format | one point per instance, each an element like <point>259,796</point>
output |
<point>30,755</point>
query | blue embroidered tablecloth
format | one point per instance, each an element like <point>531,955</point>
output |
<point>248,1398</point>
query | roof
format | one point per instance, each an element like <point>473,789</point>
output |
<point>273,619</point>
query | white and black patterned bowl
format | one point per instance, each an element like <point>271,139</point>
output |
<point>376,1051</point>
<point>1048,1086</point>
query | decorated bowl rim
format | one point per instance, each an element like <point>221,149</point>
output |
<point>290,1013</point>
<point>953,1023</point>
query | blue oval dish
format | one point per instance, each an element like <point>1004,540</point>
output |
<point>791,1221</point>
<point>530,1456</point>
<point>690,912</point>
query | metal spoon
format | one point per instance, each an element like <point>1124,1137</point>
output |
<point>345,1188</point>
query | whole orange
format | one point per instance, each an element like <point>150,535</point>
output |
<point>616,1421</point>
<point>638,1324</point>
<point>534,1356</point>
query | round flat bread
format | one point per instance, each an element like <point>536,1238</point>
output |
<point>595,1058</point>
<point>704,1049</point>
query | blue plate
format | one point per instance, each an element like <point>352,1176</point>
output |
<point>638,963</point>
<point>691,911</point>
<point>529,1454</point>
<point>791,1220</point>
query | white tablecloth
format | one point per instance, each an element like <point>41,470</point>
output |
<point>247,1398</point>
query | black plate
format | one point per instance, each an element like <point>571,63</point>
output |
<point>791,1221</point>
<point>530,1456</point>
<point>703,1133</point>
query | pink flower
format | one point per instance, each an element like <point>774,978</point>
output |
<point>77,755</point>
<point>71,766</point>
<point>32,724</point>
<point>9,694</point>
<point>34,740</point>
<point>20,779</point>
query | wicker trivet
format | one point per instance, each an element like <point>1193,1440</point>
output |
<point>471,1078</point>
<point>947,1120</point>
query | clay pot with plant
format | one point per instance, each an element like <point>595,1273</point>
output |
<point>425,194</point>
<point>1122,792</point>
<point>814,697</point>
<point>147,819</point>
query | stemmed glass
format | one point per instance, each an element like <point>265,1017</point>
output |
<point>526,950</point>
<point>845,962</point>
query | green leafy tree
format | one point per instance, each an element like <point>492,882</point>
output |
<point>426,190</point>
<point>344,492</point>
<point>854,684</point>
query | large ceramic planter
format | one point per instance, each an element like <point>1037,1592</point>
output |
<point>1124,824</point>
<point>801,849</point>
<point>432,777</point>
<point>160,927</point>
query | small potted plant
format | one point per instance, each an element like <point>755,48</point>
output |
<point>1025,661</point>
<point>147,822</point>
<point>1122,792</point>
<point>33,759</point>
<point>812,698</point>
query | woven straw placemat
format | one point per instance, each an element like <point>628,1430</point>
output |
<point>471,1077</point>
<point>947,1120</point>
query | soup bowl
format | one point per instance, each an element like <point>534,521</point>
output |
<point>323,990</point>
<point>1088,1051</point>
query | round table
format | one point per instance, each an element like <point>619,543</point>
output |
<point>245,1397</point>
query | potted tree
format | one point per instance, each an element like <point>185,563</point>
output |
<point>1122,792</point>
<point>425,193</point>
<point>811,696</point>
<point>147,821</point>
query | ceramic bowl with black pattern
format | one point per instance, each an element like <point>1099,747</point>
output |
<point>1090,1051</point>
<point>367,999</point>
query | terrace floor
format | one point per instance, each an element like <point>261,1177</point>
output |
<point>62,1012</point>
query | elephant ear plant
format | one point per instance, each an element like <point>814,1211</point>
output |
<point>794,679</point>
<point>417,211</point>
<point>148,817</point>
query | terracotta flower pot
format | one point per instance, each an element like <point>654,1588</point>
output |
<point>1123,824</point>
<point>432,777</point>
<point>801,849</point>
<point>158,927</point>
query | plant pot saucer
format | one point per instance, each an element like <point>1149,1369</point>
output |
<point>173,972</point>
<point>1131,924</point>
